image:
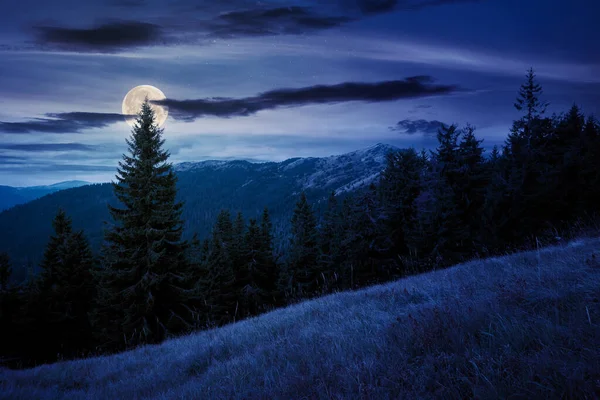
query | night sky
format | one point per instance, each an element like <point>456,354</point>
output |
<point>270,80</point>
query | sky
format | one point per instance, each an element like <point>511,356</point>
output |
<point>270,80</point>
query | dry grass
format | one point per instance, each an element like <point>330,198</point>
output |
<point>524,326</point>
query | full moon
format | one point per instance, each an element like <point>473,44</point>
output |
<point>132,103</point>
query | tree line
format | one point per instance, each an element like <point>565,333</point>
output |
<point>428,210</point>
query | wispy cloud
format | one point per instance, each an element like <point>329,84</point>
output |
<point>271,21</point>
<point>412,87</point>
<point>108,37</point>
<point>189,23</point>
<point>71,122</point>
<point>43,147</point>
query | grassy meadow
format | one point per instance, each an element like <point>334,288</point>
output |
<point>521,326</point>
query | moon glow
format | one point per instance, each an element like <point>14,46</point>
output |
<point>132,103</point>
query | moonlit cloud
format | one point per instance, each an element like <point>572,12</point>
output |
<point>108,37</point>
<point>417,86</point>
<point>71,122</point>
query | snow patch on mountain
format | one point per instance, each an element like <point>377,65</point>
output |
<point>342,173</point>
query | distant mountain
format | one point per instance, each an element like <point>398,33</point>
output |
<point>11,196</point>
<point>206,187</point>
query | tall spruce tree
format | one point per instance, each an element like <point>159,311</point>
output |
<point>223,297</point>
<point>65,290</point>
<point>439,234</point>
<point>55,250</point>
<point>302,276</point>
<point>526,161</point>
<point>471,188</point>
<point>400,186</point>
<point>528,99</point>
<point>143,287</point>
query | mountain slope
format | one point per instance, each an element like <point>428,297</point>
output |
<point>519,326</point>
<point>205,187</point>
<point>11,196</point>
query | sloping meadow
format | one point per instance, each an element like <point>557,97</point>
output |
<point>524,326</point>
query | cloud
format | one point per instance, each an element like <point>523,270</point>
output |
<point>11,160</point>
<point>108,37</point>
<point>41,147</point>
<point>417,86</point>
<point>71,122</point>
<point>223,19</point>
<point>383,6</point>
<point>417,126</point>
<point>271,21</point>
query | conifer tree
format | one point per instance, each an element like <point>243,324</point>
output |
<point>266,272</point>
<point>526,163</point>
<point>439,234</point>
<point>365,244</point>
<point>567,150</point>
<point>330,237</point>
<point>302,271</point>
<point>55,250</point>
<point>400,186</point>
<point>66,289</point>
<point>223,298</point>
<point>471,187</point>
<point>250,292</point>
<point>591,170</point>
<point>198,274</point>
<point>143,284</point>
<point>528,99</point>
<point>240,265</point>
<point>237,242</point>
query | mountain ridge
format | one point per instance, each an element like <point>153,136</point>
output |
<point>13,195</point>
<point>205,187</point>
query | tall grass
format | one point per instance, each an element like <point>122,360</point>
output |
<point>524,326</point>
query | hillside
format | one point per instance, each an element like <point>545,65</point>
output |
<point>520,326</point>
<point>11,196</point>
<point>205,188</point>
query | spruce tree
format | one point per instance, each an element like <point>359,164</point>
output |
<point>240,265</point>
<point>526,161</point>
<point>143,284</point>
<point>471,188</point>
<point>591,170</point>
<point>400,186</point>
<point>302,270</point>
<point>528,99</point>
<point>330,238</point>
<point>266,272</point>
<point>65,290</point>
<point>368,243</point>
<point>55,250</point>
<point>250,292</point>
<point>439,234</point>
<point>223,298</point>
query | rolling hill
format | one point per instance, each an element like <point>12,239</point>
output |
<point>206,188</point>
<point>520,326</point>
<point>11,196</point>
